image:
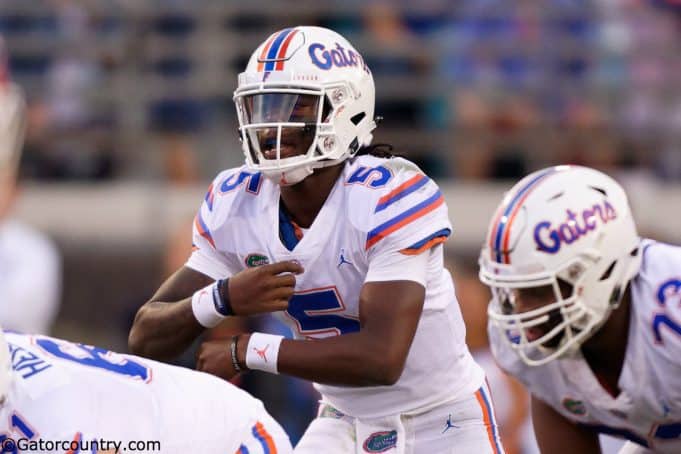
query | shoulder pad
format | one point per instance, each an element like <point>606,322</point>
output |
<point>391,195</point>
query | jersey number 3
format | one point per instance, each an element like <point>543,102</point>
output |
<point>315,313</point>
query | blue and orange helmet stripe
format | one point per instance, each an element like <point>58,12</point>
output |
<point>282,51</point>
<point>263,54</point>
<point>500,235</point>
<point>273,53</point>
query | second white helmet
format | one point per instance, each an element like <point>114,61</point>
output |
<point>564,225</point>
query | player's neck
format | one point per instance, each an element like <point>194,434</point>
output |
<point>304,200</point>
<point>606,349</point>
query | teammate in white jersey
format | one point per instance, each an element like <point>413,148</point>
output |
<point>30,266</point>
<point>54,392</point>
<point>585,314</point>
<point>346,247</point>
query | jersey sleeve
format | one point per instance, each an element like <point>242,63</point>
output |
<point>657,298</point>
<point>409,217</point>
<point>395,266</point>
<point>206,257</point>
<point>29,290</point>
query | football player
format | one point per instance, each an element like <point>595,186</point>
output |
<point>54,391</point>
<point>30,280</point>
<point>585,313</point>
<point>343,245</point>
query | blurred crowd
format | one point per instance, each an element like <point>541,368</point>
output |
<point>128,89</point>
<point>473,90</point>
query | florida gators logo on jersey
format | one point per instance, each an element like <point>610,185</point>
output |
<point>380,441</point>
<point>574,406</point>
<point>253,260</point>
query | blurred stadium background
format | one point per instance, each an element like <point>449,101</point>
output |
<point>130,116</point>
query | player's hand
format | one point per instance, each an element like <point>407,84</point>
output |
<point>266,288</point>
<point>215,358</point>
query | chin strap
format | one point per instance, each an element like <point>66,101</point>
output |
<point>288,177</point>
<point>298,174</point>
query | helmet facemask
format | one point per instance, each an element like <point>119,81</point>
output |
<point>546,331</point>
<point>287,132</point>
<point>560,325</point>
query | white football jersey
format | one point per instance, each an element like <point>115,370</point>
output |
<point>62,391</point>
<point>379,210</point>
<point>648,409</point>
<point>30,278</point>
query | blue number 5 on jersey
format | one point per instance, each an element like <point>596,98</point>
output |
<point>315,312</point>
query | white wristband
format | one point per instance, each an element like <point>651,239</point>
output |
<point>262,352</point>
<point>203,307</point>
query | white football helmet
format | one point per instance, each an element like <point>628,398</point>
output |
<point>564,223</point>
<point>5,368</point>
<point>305,88</point>
<point>12,117</point>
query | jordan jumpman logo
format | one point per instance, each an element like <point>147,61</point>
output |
<point>262,353</point>
<point>449,424</point>
<point>342,259</point>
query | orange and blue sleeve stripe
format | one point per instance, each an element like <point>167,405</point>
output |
<point>202,228</point>
<point>210,197</point>
<point>488,419</point>
<point>400,192</point>
<point>76,440</point>
<point>428,242</point>
<point>264,438</point>
<point>403,219</point>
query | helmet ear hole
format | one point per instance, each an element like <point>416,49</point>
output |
<point>608,272</point>
<point>566,289</point>
<point>326,109</point>
<point>601,190</point>
<point>357,118</point>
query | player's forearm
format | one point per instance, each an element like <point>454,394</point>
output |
<point>348,360</point>
<point>163,330</point>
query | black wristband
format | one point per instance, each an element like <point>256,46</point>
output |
<point>221,297</point>
<point>232,350</point>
